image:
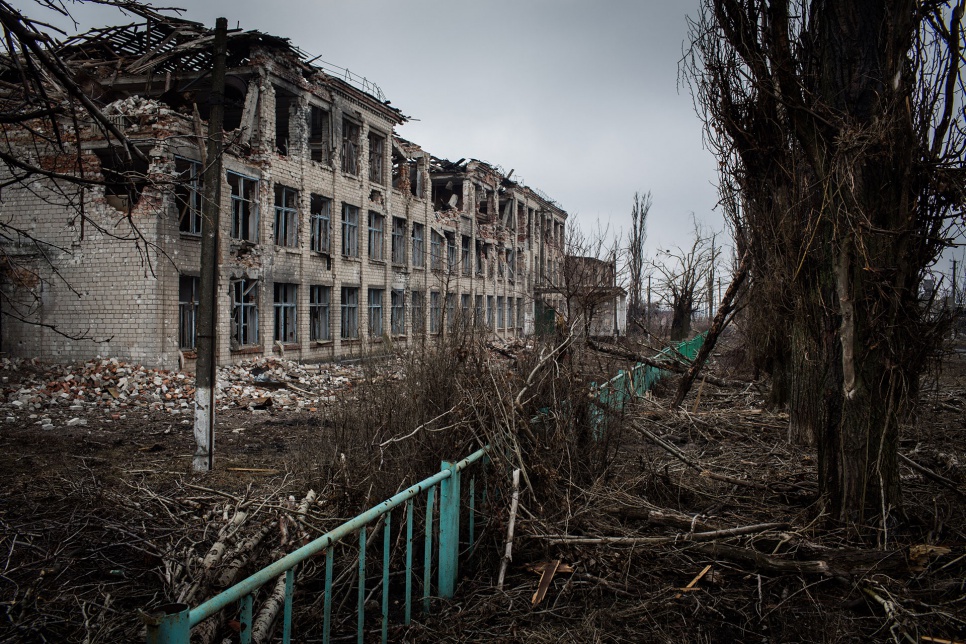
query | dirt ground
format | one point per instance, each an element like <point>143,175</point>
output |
<point>95,518</point>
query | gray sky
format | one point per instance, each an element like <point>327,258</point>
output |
<point>579,97</point>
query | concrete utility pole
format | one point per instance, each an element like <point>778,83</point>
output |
<point>204,459</point>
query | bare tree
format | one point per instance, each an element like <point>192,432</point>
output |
<point>681,273</point>
<point>590,284</point>
<point>44,111</point>
<point>635,255</point>
<point>840,142</point>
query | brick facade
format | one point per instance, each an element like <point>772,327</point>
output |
<point>304,145</point>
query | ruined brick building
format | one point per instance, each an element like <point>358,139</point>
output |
<point>337,237</point>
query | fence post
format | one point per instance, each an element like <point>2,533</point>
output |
<point>449,531</point>
<point>169,624</point>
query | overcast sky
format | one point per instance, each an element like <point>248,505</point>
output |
<point>580,97</point>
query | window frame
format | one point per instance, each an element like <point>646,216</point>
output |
<point>377,156</point>
<point>418,308</point>
<point>321,224</point>
<point>244,207</point>
<point>435,313</point>
<point>320,312</point>
<point>435,250</point>
<point>397,312</point>
<point>350,146</point>
<point>244,312</point>
<point>398,241</point>
<point>350,230</point>
<point>377,235</point>
<point>188,312</point>
<point>188,193</point>
<point>349,321</point>
<point>374,299</point>
<point>286,226</point>
<point>285,304</point>
<point>419,244</point>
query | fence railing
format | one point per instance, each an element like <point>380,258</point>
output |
<point>172,623</point>
<point>631,383</point>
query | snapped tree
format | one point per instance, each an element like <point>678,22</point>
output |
<point>840,138</point>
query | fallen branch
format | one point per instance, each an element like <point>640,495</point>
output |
<point>716,327</point>
<point>508,554</point>
<point>676,367</point>
<point>767,563</point>
<point>557,539</point>
<point>674,451</point>
<point>928,473</point>
<point>264,622</point>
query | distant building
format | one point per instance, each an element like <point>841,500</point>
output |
<point>594,298</point>
<point>336,236</point>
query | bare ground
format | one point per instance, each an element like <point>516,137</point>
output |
<point>100,521</point>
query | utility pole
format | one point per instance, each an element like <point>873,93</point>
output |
<point>204,430</point>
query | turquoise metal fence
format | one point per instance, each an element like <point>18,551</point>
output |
<point>172,623</point>
<point>628,384</point>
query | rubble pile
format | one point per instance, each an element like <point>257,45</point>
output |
<point>116,387</point>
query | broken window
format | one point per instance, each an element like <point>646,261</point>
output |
<point>499,312</point>
<point>478,311</point>
<point>187,311</point>
<point>187,194</point>
<point>435,312</point>
<point>350,312</point>
<point>124,178</point>
<point>500,261</point>
<point>350,147</point>
<point>480,257</point>
<point>419,316</point>
<point>320,298</point>
<point>398,240</point>
<point>350,230</point>
<point>397,312</point>
<point>283,104</point>
<point>467,257</point>
<point>377,153</point>
<point>377,225</point>
<point>244,207</point>
<point>447,194</point>
<point>452,254</point>
<point>415,180</point>
<point>489,311</point>
<point>435,251</point>
<point>244,312</point>
<point>319,124</point>
<point>286,307</point>
<point>520,313</point>
<point>482,203</point>
<point>375,312</point>
<point>286,216</point>
<point>419,245</point>
<point>321,208</point>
